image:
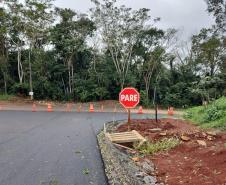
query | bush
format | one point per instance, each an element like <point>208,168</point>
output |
<point>20,89</point>
<point>212,113</point>
<point>212,116</point>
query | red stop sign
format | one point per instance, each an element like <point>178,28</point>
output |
<point>129,97</point>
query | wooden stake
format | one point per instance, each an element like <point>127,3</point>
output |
<point>129,119</point>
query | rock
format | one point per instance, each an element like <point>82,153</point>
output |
<point>210,138</point>
<point>148,161</point>
<point>204,134</point>
<point>155,130</point>
<point>135,159</point>
<point>201,142</point>
<point>163,134</point>
<point>148,168</point>
<point>140,174</point>
<point>138,164</point>
<point>212,133</point>
<point>185,138</point>
<point>149,180</point>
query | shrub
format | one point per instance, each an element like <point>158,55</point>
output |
<point>212,116</point>
<point>212,113</point>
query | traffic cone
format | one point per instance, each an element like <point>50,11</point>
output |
<point>34,107</point>
<point>140,110</point>
<point>170,111</point>
<point>91,108</point>
<point>49,107</point>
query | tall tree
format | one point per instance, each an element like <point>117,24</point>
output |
<point>16,33</point>
<point>39,16</point>
<point>120,28</point>
<point>208,50</point>
<point>4,17</point>
<point>218,9</point>
<point>69,38</point>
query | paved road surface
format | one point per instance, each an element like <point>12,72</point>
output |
<point>51,148</point>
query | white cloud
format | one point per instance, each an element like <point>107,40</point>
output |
<point>188,15</point>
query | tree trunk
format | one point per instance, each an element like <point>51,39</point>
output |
<point>5,84</point>
<point>72,80</point>
<point>147,88</point>
<point>65,92</point>
<point>69,78</point>
<point>30,71</point>
<point>19,66</point>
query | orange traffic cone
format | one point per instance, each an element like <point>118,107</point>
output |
<point>49,107</point>
<point>140,110</point>
<point>34,107</point>
<point>170,111</point>
<point>91,108</point>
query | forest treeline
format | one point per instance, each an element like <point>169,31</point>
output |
<point>60,54</point>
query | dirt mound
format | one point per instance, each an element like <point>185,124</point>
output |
<point>200,159</point>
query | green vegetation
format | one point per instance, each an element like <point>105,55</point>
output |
<point>54,181</point>
<point>85,171</point>
<point>6,97</point>
<point>60,54</point>
<point>163,145</point>
<point>210,116</point>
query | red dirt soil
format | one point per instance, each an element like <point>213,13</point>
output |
<point>189,163</point>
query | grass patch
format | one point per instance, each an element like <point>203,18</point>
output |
<point>85,171</point>
<point>212,116</point>
<point>54,182</point>
<point>163,145</point>
<point>6,97</point>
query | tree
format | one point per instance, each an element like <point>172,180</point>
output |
<point>4,46</point>
<point>38,18</point>
<point>208,49</point>
<point>69,37</point>
<point>16,33</point>
<point>218,9</point>
<point>120,28</point>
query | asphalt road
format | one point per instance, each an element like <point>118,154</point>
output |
<point>56,148</point>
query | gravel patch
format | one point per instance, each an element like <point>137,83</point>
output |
<point>119,168</point>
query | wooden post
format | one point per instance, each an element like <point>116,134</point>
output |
<point>129,119</point>
<point>129,116</point>
<point>156,113</point>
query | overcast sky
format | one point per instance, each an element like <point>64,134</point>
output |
<point>188,15</point>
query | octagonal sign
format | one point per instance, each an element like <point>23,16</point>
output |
<point>129,97</point>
